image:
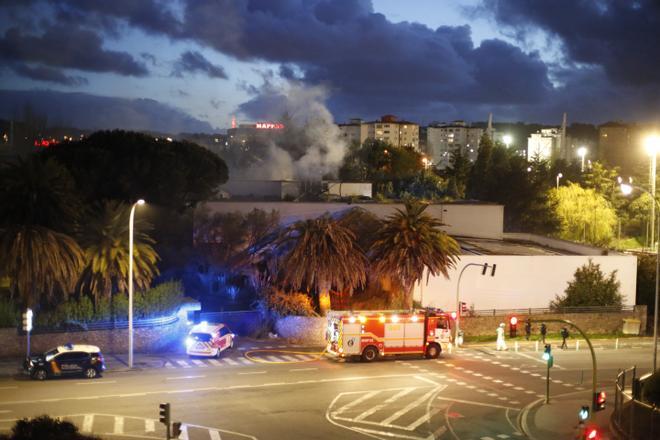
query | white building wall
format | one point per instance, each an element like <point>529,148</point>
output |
<point>520,281</point>
<point>348,189</point>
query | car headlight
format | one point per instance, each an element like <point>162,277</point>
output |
<point>189,342</point>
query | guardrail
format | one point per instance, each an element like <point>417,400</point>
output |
<point>75,326</point>
<point>543,311</point>
<point>632,418</point>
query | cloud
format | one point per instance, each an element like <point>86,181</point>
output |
<point>41,73</point>
<point>100,112</point>
<point>193,62</point>
<point>67,47</point>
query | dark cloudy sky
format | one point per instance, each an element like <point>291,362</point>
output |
<point>424,60</point>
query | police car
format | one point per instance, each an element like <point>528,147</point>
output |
<point>66,360</point>
<point>209,340</point>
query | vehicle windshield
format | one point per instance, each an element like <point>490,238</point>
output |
<point>50,354</point>
<point>202,337</point>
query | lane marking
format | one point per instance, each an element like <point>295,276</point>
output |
<point>378,407</point>
<point>356,402</point>
<point>168,364</point>
<point>426,417</point>
<point>289,358</point>
<point>215,362</point>
<point>230,361</point>
<point>119,425</point>
<point>88,422</point>
<point>425,379</point>
<point>539,360</point>
<point>96,382</point>
<point>184,364</point>
<point>304,369</point>
<point>253,372</point>
<point>8,388</point>
<point>5,411</point>
<point>199,363</point>
<point>183,377</point>
<point>410,406</point>
<point>149,425</point>
<point>184,432</point>
<point>246,361</point>
<point>490,405</point>
<point>215,435</point>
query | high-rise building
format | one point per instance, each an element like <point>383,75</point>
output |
<point>388,129</point>
<point>443,139</point>
<point>544,144</point>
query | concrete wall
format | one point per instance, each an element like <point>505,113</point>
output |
<point>145,340</point>
<point>302,329</point>
<point>520,281</point>
<point>468,220</point>
<point>348,189</point>
<point>589,322</point>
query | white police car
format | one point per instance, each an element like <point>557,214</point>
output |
<point>209,340</point>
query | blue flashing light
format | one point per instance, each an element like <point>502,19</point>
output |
<point>546,356</point>
<point>204,323</point>
<point>189,342</point>
<point>584,413</point>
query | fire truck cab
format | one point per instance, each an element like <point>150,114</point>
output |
<point>370,334</point>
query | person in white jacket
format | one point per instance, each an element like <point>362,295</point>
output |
<point>501,345</point>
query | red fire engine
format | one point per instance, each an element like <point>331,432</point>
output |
<point>369,334</point>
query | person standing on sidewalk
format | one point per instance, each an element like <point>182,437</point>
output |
<point>544,331</point>
<point>501,345</point>
<point>564,335</point>
<point>528,329</point>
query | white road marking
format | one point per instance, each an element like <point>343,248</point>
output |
<point>230,361</point>
<point>529,392</point>
<point>535,374</point>
<point>507,384</point>
<point>88,422</point>
<point>96,382</point>
<point>119,425</point>
<point>199,363</point>
<point>355,403</point>
<point>215,435</point>
<point>246,361</point>
<point>305,357</point>
<point>169,365</point>
<point>304,369</point>
<point>253,372</point>
<point>539,360</point>
<point>414,425</point>
<point>289,358</point>
<point>214,362</point>
<point>184,432</point>
<point>184,364</point>
<point>273,359</point>
<point>410,406</point>
<point>478,374</point>
<point>373,409</point>
<point>183,377</point>
<point>425,379</point>
<point>5,411</point>
<point>8,388</point>
<point>149,425</point>
<point>518,388</point>
<point>477,403</point>
<point>502,436</point>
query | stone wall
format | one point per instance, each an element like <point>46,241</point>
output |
<point>302,329</point>
<point>588,322</point>
<point>145,340</point>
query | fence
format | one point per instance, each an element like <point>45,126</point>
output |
<point>632,418</point>
<point>542,311</point>
<point>75,326</point>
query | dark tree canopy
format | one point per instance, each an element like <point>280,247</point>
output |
<point>126,166</point>
<point>590,287</point>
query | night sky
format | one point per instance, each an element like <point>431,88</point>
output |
<point>189,65</point>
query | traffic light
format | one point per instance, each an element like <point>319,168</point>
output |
<point>176,429</point>
<point>591,433</point>
<point>547,355</point>
<point>513,326</point>
<point>600,397</point>
<point>164,413</point>
<point>453,315</point>
<point>27,320</point>
<point>583,415</point>
<point>464,308</point>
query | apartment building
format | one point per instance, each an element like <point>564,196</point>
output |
<point>388,129</point>
<point>443,139</point>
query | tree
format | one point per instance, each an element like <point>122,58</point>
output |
<point>39,262</point>
<point>45,428</point>
<point>584,215</point>
<point>410,242</point>
<point>590,287</point>
<point>127,166</point>
<point>105,240</point>
<point>318,255</point>
<point>458,174</point>
<point>479,175</point>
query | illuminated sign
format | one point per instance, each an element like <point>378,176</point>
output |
<point>44,142</point>
<point>269,125</point>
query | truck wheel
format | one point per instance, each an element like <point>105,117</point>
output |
<point>433,351</point>
<point>40,375</point>
<point>369,354</point>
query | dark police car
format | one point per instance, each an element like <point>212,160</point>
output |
<point>66,360</point>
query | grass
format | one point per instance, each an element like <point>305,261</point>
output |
<point>549,336</point>
<point>627,243</point>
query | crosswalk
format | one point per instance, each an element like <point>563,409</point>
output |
<point>140,427</point>
<point>254,359</point>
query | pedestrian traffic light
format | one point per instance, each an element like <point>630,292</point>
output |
<point>513,326</point>
<point>453,315</point>
<point>176,429</point>
<point>164,413</point>
<point>464,308</point>
<point>584,413</point>
<point>591,433</point>
<point>600,398</point>
<point>27,320</point>
<point>547,355</point>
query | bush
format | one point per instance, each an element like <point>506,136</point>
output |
<point>45,428</point>
<point>8,313</point>
<point>590,287</point>
<point>161,300</point>
<point>289,304</point>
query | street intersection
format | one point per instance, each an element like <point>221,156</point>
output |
<point>256,392</point>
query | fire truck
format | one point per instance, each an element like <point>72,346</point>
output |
<point>370,334</point>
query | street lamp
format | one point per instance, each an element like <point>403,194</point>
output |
<point>130,282</point>
<point>627,189</point>
<point>484,267</point>
<point>559,176</point>
<point>582,152</point>
<point>507,139</point>
<point>652,145</point>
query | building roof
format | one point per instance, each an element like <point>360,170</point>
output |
<point>484,246</point>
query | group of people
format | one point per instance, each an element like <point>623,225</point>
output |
<point>501,343</point>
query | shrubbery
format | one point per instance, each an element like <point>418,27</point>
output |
<point>287,304</point>
<point>45,428</point>
<point>8,313</point>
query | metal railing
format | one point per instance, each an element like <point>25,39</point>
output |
<point>632,418</point>
<point>76,326</point>
<point>546,310</point>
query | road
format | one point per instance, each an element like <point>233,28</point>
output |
<point>475,393</point>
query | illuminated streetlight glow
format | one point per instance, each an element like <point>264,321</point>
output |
<point>626,189</point>
<point>559,176</point>
<point>507,139</point>
<point>582,152</point>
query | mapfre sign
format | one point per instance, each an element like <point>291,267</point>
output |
<point>269,125</point>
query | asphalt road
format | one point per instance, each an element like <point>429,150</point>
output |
<point>476,393</point>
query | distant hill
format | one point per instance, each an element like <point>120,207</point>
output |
<point>92,112</point>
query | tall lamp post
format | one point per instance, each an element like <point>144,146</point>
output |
<point>484,267</point>
<point>130,282</point>
<point>627,189</point>
<point>582,152</point>
<point>652,144</point>
<point>559,176</point>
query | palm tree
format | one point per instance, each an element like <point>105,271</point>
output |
<point>105,240</point>
<point>320,254</point>
<point>39,262</point>
<point>410,242</point>
<point>39,204</point>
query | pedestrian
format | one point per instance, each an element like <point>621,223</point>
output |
<point>564,335</point>
<point>501,345</point>
<point>544,331</point>
<point>528,329</point>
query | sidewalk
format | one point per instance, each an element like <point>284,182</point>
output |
<point>603,343</point>
<point>559,418</point>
